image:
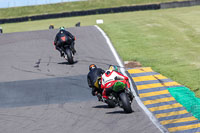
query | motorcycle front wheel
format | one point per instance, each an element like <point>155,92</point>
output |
<point>111,103</point>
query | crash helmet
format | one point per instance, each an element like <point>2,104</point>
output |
<point>62,28</point>
<point>92,66</point>
<point>113,68</point>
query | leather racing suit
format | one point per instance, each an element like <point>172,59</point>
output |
<point>108,78</point>
<point>63,37</point>
<point>93,76</point>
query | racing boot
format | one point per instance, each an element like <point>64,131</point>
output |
<point>99,96</point>
<point>72,48</point>
<point>61,54</point>
<point>131,96</point>
<point>73,51</point>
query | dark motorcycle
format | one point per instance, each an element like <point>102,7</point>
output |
<point>120,96</point>
<point>68,54</point>
<point>66,48</point>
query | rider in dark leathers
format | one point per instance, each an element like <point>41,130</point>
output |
<point>93,78</point>
<point>59,42</point>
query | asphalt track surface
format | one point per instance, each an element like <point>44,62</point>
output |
<point>41,93</point>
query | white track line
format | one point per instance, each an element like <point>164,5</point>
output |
<point>150,115</point>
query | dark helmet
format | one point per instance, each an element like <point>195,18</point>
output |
<point>92,66</point>
<point>113,68</point>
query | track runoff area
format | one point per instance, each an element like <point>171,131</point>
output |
<point>40,92</point>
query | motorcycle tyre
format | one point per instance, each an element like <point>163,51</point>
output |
<point>111,103</point>
<point>126,105</point>
<point>69,56</point>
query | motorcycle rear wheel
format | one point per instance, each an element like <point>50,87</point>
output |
<point>69,56</point>
<point>126,105</point>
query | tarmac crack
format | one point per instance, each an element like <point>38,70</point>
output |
<point>38,63</point>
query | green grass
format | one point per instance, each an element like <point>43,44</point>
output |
<point>70,6</point>
<point>166,40</point>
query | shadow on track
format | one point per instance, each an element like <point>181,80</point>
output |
<point>117,112</point>
<point>113,112</point>
<point>58,90</point>
<point>101,106</point>
<point>67,63</point>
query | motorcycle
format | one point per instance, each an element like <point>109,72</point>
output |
<point>120,96</point>
<point>66,48</point>
<point>68,55</point>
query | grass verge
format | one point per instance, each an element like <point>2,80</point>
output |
<point>166,40</point>
<point>70,6</point>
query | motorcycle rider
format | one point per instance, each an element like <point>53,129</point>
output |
<point>110,76</point>
<point>94,79</point>
<point>63,37</point>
